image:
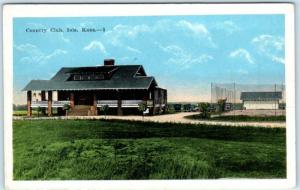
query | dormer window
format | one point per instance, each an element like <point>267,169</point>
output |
<point>87,77</point>
<point>98,77</point>
<point>76,77</point>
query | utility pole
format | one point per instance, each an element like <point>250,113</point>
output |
<point>233,98</point>
<point>211,94</point>
<point>276,101</point>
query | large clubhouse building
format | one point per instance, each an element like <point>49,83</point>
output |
<point>86,89</point>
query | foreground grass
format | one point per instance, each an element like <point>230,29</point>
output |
<point>93,149</point>
<point>240,118</point>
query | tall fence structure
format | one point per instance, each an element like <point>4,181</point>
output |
<point>249,96</point>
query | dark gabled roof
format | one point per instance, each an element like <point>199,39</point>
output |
<point>261,96</point>
<point>122,77</point>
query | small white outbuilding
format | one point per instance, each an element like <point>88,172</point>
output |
<point>261,100</point>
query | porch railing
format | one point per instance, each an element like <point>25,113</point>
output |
<point>110,103</point>
<point>100,103</point>
<point>124,103</point>
<point>60,104</point>
<point>44,104</point>
<point>131,103</point>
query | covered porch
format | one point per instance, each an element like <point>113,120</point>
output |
<point>92,99</point>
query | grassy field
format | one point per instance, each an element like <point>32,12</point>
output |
<point>96,149</point>
<point>240,118</point>
<point>34,113</point>
<point>23,113</point>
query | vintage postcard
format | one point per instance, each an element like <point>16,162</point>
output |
<point>149,96</point>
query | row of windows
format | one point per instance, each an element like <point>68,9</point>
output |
<point>81,77</point>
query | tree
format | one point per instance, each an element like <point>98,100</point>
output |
<point>142,107</point>
<point>39,109</point>
<point>66,107</point>
<point>204,109</point>
<point>221,103</point>
<point>105,109</point>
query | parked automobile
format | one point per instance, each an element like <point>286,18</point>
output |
<point>177,107</point>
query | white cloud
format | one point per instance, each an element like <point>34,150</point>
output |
<point>270,46</point>
<point>180,57</point>
<point>133,49</point>
<point>65,39</point>
<point>95,45</point>
<point>33,55</point>
<point>277,59</point>
<point>163,25</point>
<point>264,41</point>
<point>198,31</point>
<point>229,26</point>
<point>196,28</point>
<point>131,31</point>
<point>25,47</point>
<point>242,53</point>
<point>120,32</point>
<point>55,53</point>
<point>205,58</point>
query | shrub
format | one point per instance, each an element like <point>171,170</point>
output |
<point>204,110</point>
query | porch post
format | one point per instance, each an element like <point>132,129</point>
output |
<point>160,99</point>
<point>29,110</point>
<point>43,98</point>
<point>59,110</point>
<point>120,112</point>
<point>95,104</point>
<point>49,103</point>
<point>72,100</point>
<point>153,101</point>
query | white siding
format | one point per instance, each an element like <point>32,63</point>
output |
<point>54,96</point>
<point>256,105</point>
<point>36,96</point>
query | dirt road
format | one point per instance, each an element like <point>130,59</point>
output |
<point>179,118</point>
<point>174,118</point>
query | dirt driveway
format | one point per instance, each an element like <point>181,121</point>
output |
<point>179,118</point>
<point>173,118</point>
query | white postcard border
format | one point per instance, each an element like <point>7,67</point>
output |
<point>81,10</point>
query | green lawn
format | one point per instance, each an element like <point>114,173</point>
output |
<point>240,118</point>
<point>34,113</point>
<point>23,113</point>
<point>95,149</point>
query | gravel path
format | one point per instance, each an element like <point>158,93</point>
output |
<point>174,118</point>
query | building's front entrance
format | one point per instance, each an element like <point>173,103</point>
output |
<point>83,98</point>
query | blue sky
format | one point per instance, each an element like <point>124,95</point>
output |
<point>184,53</point>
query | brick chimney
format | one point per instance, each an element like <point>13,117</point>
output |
<point>109,62</point>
